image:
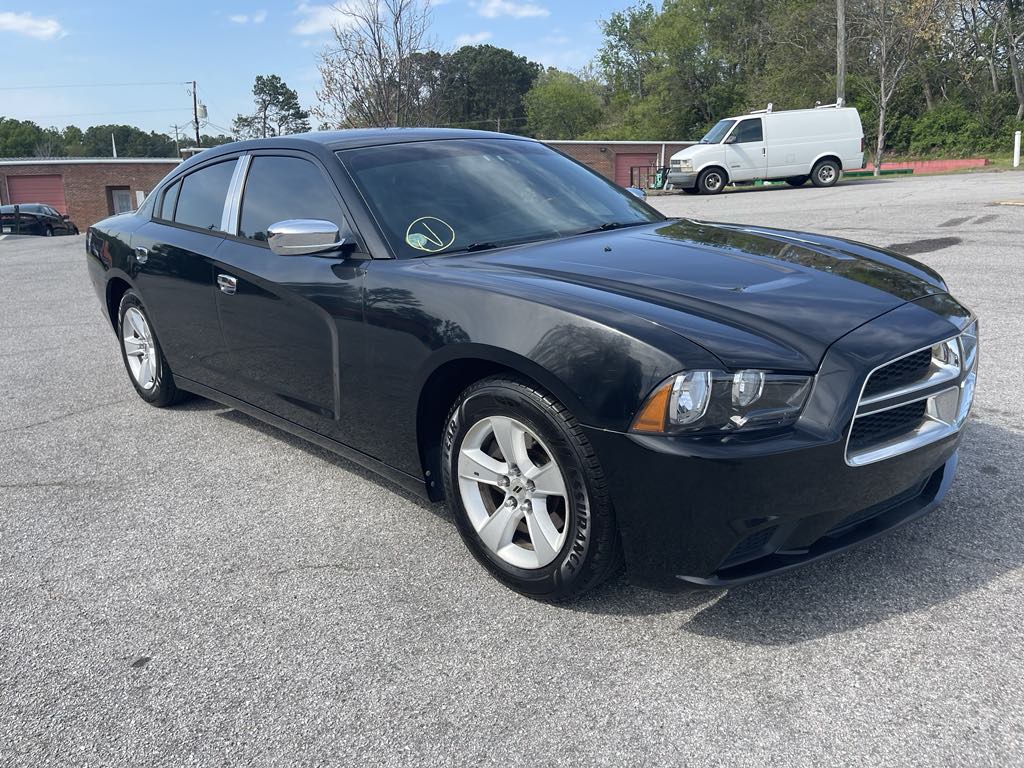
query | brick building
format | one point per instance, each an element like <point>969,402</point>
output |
<point>87,189</point>
<point>616,159</point>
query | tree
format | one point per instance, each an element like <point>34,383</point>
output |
<point>893,30</point>
<point>18,138</point>
<point>486,86</point>
<point>562,106</point>
<point>277,111</point>
<point>131,142</point>
<point>626,55</point>
<point>367,76</point>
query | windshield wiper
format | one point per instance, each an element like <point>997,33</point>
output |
<point>608,226</point>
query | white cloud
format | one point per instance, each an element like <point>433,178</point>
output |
<point>472,39</point>
<point>241,18</point>
<point>317,19</point>
<point>491,9</point>
<point>33,26</point>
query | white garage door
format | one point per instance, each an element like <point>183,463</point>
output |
<point>48,190</point>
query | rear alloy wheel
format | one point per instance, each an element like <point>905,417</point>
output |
<point>711,181</point>
<point>797,181</point>
<point>142,356</point>
<point>825,173</point>
<point>527,492</point>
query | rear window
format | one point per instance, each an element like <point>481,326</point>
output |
<point>169,199</point>
<point>202,196</point>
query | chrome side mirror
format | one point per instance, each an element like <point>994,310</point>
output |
<point>637,192</point>
<point>299,237</point>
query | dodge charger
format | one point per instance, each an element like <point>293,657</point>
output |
<point>587,384</point>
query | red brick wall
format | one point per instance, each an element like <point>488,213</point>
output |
<point>85,184</point>
<point>601,155</point>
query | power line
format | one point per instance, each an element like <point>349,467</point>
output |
<point>87,85</point>
<point>93,114</point>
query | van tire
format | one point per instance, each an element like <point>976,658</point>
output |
<point>826,173</point>
<point>797,181</point>
<point>691,190</point>
<point>711,181</point>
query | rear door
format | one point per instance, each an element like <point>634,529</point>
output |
<point>745,150</point>
<point>291,324</point>
<point>175,275</point>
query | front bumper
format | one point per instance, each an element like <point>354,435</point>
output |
<point>721,510</point>
<point>682,179</point>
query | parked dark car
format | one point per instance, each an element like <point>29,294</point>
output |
<point>34,219</point>
<point>482,320</point>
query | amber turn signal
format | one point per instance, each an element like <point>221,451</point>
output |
<point>652,415</point>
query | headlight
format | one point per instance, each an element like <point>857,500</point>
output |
<point>717,401</point>
<point>682,165</point>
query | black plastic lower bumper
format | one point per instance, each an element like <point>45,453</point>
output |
<point>720,515</point>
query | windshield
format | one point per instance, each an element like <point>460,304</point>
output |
<point>470,194</point>
<point>716,134</point>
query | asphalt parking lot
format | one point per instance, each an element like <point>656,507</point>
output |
<point>187,586</point>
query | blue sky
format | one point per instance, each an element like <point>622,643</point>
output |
<point>224,45</point>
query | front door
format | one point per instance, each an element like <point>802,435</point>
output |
<point>289,322</point>
<point>745,152</point>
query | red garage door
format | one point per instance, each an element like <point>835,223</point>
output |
<point>624,162</point>
<point>48,190</point>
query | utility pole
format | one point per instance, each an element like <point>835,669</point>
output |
<point>840,50</point>
<point>177,146</point>
<point>195,112</point>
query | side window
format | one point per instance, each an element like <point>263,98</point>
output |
<point>279,188</point>
<point>749,130</point>
<point>202,196</point>
<point>167,204</point>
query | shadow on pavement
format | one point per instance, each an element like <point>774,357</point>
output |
<point>974,537</point>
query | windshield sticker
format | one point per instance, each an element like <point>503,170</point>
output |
<point>429,234</point>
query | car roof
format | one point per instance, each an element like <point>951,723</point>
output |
<point>349,139</point>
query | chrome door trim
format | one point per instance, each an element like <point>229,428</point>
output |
<point>233,202</point>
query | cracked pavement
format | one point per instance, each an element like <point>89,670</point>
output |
<point>190,587</point>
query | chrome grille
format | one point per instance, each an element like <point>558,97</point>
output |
<point>907,370</point>
<point>914,400</point>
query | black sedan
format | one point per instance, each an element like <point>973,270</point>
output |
<point>34,219</point>
<point>585,382</point>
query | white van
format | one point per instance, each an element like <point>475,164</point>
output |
<point>793,145</point>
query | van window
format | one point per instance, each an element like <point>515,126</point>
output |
<point>717,134</point>
<point>202,196</point>
<point>749,130</point>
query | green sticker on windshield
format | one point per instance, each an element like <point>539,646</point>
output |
<point>430,234</point>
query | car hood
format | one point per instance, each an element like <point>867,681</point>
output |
<point>740,292</point>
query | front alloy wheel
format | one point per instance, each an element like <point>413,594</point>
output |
<point>527,491</point>
<point>513,492</point>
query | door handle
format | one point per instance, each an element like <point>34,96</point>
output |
<point>227,284</point>
<point>141,254</point>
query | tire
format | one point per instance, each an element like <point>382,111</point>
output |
<point>711,181</point>
<point>48,232</point>
<point>553,545</point>
<point>143,358</point>
<point>826,173</point>
<point>797,181</point>
<point>691,190</point>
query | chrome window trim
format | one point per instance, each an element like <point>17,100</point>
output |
<point>931,429</point>
<point>233,201</point>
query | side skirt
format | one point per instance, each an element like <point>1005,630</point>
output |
<point>409,482</point>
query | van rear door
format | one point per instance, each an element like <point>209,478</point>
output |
<point>745,152</point>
